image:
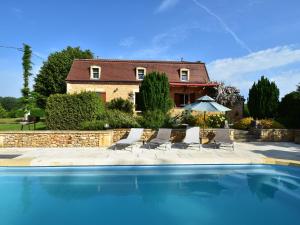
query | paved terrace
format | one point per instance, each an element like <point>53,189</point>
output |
<point>245,153</point>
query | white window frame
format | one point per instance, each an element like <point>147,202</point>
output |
<point>188,74</point>
<point>91,72</point>
<point>137,72</point>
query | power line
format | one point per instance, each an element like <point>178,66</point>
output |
<point>21,50</point>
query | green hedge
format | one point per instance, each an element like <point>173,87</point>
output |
<point>118,119</point>
<point>93,125</point>
<point>67,112</point>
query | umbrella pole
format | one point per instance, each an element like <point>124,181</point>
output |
<point>204,121</point>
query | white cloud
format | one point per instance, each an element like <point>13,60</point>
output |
<point>287,81</point>
<point>165,5</point>
<point>224,26</point>
<point>243,71</point>
<point>127,42</point>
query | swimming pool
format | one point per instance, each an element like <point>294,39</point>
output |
<point>145,195</point>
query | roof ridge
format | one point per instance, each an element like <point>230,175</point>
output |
<point>141,60</point>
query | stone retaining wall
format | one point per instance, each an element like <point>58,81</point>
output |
<point>275,134</point>
<point>56,139</point>
<point>108,137</point>
<point>41,139</point>
<point>177,135</point>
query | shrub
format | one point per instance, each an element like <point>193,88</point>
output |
<point>67,112</point>
<point>121,105</point>
<point>243,124</point>
<point>187,117</point>
<point>155,93</point>
<point>3,112</point>
<point>289,110</point>
<point>216,121</point>
<point>263,99</point>
<point>270,124</point>
<point>200,120</point>
<point>118,119</point>
<point>37,112</point>
<point>153,119</point>
<point>93,125</point>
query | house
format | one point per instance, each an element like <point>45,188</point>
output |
<point>122,78</point>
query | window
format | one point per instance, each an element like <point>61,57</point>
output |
<point>182,99</point>
<point>184,74</point>
<point>95,72</point>
<point>140,73</point>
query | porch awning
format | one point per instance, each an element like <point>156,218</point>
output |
<point>182,84</point>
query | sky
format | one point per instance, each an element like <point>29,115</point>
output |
<point>238,40</point>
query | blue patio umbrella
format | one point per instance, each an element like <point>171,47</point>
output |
<point>206,104</point>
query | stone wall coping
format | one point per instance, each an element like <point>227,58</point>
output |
<point>264,129</point>
<point>110,130</point>
<point>56,132</point>
<point>175,129</point>
<point>85,131</point>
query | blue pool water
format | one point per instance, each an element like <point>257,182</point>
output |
<point>168,195</point>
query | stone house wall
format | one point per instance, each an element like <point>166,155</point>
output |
<point>125,91</point>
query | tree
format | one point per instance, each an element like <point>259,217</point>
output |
<point>298,87</point>
<point>3,112</point>
<point>228,95</point>
<point>155,93</point>
<point>10,103</point>
<point>27,66</point>
<point>263,99</point>
<point>53,73</point>
<point>289,110</point>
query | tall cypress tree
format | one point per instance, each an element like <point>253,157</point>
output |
<point>155,92</point>
<point>263,99</point>
<point>27,66</point>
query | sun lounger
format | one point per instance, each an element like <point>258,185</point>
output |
<point>133,137</point>
<point>162,138</point>
<point>192,137</point>
<point>222,139</point>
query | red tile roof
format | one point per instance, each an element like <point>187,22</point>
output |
<point>125,70</point>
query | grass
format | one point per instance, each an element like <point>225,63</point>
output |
<point>12,127</point>
<point>9,120</point>
<point>11,124</point>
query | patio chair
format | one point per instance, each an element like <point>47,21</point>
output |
<point>28,121</point>
<point>133,137</point>
<point>222,139</point>
<point>192,137</point>
<point>162,138</point>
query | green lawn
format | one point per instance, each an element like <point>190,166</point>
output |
<point>10,124</point>
<point>9,120</point>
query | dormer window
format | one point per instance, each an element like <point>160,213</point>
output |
<point>95,72</point>
<point>140,73</point>
<point>184,75</point>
